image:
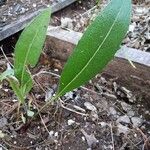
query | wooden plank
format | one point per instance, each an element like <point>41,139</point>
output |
<point>23,20</point>
<point>61,36</point>
<point>62,4</point>
<point>60,43</point>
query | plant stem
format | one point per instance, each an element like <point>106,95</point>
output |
<point>47,103</point>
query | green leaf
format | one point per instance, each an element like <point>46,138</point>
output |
<point>28,49</point>
<point>14,83</point>
<point>97,46</point>
<point>6,73</point>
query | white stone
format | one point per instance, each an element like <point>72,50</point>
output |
<point>69,95</point>
<point>112,111</point>
<point>131,113</point>
<point>136,121</point>
<point>103,124</point>
<point>123,119</point>
<point>89,106</point>
<point>122,129</point>
<point>67,23</point>
<point>34,5</point>
<point>71,122</point>
<point>51,133</point>
<point>56,134</point>
<point>132,27</point>
<point>83,138</point>
<point>125,106</point>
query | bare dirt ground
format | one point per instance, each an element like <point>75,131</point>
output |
<point>102,115</point>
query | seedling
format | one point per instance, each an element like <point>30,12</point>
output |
<point>27,52</point>
<point>96,48</point>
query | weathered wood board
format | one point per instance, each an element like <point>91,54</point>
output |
<point>12,27</point>
<point>60,44</point>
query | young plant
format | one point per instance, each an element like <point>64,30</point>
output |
<point>27,52</point>
<point>96,48</point>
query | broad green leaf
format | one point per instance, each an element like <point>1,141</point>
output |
<point>97,46</point>
<point>28,49</point>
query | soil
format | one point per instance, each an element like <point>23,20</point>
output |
<point>138,35</point>
<point>11,10</point>
<point>102,115</point>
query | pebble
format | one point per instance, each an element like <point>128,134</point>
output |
<point>51,133</point>
<point>90,107</point>
<point>141,10</point>
<point>56,134</point>
<point>132,27</point>
<point>3,122</point>
<point>126,107</point>
<point>69,95</point>
<point>49,94</point>
<point>83,138</point>
<point>112,111</point>
<point>34,5</point>
<point>130,113</point>
<point>136,121</point>
<point>123,119</point>
<point>2,135</point>
<point>67,23</point>
<point>103,124</point>
<point>122,129</point>
<point>70,122</point>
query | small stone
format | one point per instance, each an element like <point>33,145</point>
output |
<point>112,111</point>
<point>94,115</point>
<point>132,27</point>
<point>122,129</point>
<point>141,10</point>
<point>126,107</point>
<point>83,138</point>
<point>67,23</point>
<point>103,124</point>
<point>34,5</point>
<point>123,119</point>
<point>136,121</point>
<point>56,134</point>
<point>69,95</point>
<point>51,133</point>
<point>90,107</point>
<point>71,122</point>
<point>22,11</point>
<point>3,122</point>
<point>15,142</point>
<point>131,113</point>
<point>49,94</point>
<point>56,70</point>
<point>2,135</point>
<point>90,138</point>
